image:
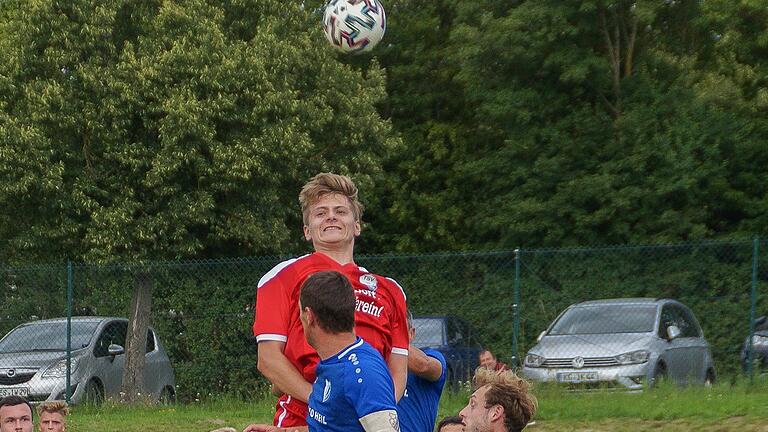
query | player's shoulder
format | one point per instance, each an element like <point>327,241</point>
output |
<point>386,281</point>
<point>284,267</point>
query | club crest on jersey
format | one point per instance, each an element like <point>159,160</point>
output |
<point>327,391</point>
<point>369,280</point>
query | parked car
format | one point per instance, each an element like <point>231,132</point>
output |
<point>455,339</point>
<point>623,344</point>
<point>759,347</point>
<point>33,361</point>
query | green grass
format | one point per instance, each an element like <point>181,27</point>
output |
<point>688,408</point>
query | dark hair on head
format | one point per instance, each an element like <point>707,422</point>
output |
<point>332,299</point>
<point>450,420</point>
<point>17,400</point>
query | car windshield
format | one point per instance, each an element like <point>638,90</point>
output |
<point>47,336</point>
<point>429,332</point>
<point>605,319</point>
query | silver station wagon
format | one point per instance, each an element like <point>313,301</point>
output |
<point>33,361</point>
<point>622,344</point>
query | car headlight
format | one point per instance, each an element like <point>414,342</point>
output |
<point>533,360</point>
<point>634,357</point>
<point>759,340</point>
<point>59,369</point>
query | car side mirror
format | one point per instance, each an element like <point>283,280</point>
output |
<point>673,332</point>
<point>541,335</point>
<point>115,350</point>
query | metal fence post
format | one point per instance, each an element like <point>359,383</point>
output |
<point>516,310</point>
<point>68,390</point>
<point>752,303</point>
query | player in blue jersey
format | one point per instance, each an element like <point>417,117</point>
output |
<point>417,409</point>
<point>353,391</point>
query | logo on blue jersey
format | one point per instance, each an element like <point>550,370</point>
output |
<point>327,391</point>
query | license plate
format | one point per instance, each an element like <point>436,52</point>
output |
<point>14,391</point>
<point>577,377</point>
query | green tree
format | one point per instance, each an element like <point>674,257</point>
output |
<point>140,130</point>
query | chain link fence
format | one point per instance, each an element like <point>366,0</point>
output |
<point>202,311</point>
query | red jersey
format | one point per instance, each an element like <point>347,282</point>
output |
<point>380,318</point>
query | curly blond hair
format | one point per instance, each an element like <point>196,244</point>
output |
<point>510,391</point>
<point>329,183</point>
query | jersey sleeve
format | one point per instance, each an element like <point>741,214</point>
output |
<point>369,388</point>
<point>437,355</point>
<point>273,306</point>
<point>400,337</point>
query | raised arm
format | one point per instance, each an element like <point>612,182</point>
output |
<point>423,365</point>
<point>398,368</point>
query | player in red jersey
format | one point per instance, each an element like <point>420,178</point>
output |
<point>332,216</point>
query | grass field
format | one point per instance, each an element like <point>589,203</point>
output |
<point>720,408</point>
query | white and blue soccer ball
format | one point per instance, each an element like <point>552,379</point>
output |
<point>354,26</point>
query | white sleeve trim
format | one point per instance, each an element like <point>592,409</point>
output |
<point>399,286</point>
<point>276,269</point>
<point>381,421</point>
<point>271,337</point>
<point>400,351</point>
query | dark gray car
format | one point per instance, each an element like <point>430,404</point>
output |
<point>33,360</point>
<point>622,343</point>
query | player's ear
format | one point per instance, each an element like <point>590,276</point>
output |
<point>307,233</point>
<point>358,228</point>
<point>497,412</point>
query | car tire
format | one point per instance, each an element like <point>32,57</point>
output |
<point>167,396</point>
<point>94,393</point>
<point>659,375</point>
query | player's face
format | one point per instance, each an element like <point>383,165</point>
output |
<point>51,422</point>
<point>487,361</point>
<point>17,418</point>
<point>476,417</point>
<point>331,223</point>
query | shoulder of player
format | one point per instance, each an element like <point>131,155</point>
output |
<point>390,283</point>
<point>293,264</point>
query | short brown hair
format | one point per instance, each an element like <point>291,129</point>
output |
<point>55,406</point>
<point>332,299</point>
<point>329,183</point>
<point>451,420</point>
<point>16,400</point>
<point>510,391</point>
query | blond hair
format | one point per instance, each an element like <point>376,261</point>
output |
<point>329,183</point>
<point>510,391</point>
<point>55,406</point>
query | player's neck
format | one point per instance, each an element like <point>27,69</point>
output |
<point>342,256</point>
<point>329,344</point>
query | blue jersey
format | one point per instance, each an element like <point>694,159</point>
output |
<point>350,385</point>
<point>417,408</point>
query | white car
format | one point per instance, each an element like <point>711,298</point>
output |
<point>622,343</point>
<point>33,361</point>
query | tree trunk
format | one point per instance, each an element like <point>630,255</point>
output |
<point>136,339</point>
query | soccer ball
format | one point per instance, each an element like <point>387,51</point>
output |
<point>354,25</point>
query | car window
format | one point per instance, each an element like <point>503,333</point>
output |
<point>429,332</point>
<point>113,333</point>
<point>455,332</point>
<point>150,341</point>
<point>605,319</point>
<point>48,336</point>
<point>682,318</point>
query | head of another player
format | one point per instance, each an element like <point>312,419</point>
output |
<point>15,414</point>
<point>331,211</point>
<point>53,416</point>
<point>327,303</point>
<point>451,424</point>
<point>501,402</point>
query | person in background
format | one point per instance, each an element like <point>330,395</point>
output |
<point>488,361</point>
<point>52,416</point>
<point>15,414</point>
